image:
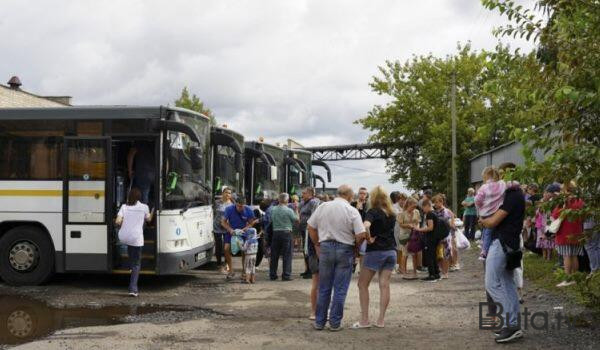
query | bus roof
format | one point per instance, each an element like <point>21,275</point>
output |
<point>91,112</point>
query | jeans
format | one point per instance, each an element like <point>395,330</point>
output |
<point>470,221</point>
<point>500,284</point>
<point>335,273</point>
<point>592,247</point>
<point>219,249</point>
<point>486,240</point>
<point>135,261</point>
<point>143,181</point>
<point>281,246</point>
<point>429,255</point>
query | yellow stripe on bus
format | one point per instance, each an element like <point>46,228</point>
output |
<point>50,193</point>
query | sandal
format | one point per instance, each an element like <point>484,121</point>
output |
<point>357,325</point>
<point>379,325</point>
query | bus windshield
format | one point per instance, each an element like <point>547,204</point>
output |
<point>226,174</point>
<point>265,188</point>
<point>186,184</point>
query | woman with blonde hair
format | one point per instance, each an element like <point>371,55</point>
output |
<point>408,219</point>
<point>380,255</point>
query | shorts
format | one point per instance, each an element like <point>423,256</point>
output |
<point>226,238</point>
<point>250,264</point>
<point>378,260</point>
<point>313,263</point>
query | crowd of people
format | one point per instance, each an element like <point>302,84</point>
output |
<point>376,233</point>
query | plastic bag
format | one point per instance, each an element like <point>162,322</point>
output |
<point>462,242</point>
<point>237,243</point>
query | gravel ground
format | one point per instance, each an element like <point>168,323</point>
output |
<point>273,315</point>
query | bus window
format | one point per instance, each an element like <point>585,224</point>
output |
<point>89,128</point>
<point>87,160</point>
<point>37,158</point>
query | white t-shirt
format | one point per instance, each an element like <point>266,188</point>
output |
<point>132,228</point>
<point>337,220</point>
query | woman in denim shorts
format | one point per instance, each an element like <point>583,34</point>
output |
<point>380,255</point>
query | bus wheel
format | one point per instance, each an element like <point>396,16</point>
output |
<point>26,256</point>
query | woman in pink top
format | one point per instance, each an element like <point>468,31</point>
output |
<point>488,200</point>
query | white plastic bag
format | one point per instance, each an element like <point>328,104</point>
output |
<point>462,243</point>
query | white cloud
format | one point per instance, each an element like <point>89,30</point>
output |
<point>266,67</point>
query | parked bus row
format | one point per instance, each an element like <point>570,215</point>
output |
<point>64,173</point>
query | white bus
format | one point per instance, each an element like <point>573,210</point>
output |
<point>64,174</point>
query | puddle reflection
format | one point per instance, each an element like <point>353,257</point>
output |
<point>24,319</point>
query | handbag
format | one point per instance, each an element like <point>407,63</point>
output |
<point>513,257</point>
<point>415,244</point>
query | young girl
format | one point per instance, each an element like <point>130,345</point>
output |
<point>446,215</point>
<point>488,200</point>
<point>543,242</point>
<point>131,219</point>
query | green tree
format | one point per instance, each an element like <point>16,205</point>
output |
<point>416,121</point>
<point>194,103</point>
<point>568,52</point>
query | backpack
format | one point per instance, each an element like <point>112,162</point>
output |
<point>441,229</point>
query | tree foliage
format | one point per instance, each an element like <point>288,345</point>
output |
<point>417,119</point>
<point>194,103</point>
<point>568,52</point>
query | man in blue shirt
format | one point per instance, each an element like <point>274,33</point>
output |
<point>237,217</point>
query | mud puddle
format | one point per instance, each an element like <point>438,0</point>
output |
<point>24,319</point>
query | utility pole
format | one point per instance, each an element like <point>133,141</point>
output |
<point>453,109</point>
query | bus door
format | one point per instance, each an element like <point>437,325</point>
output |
<point>86,217</point>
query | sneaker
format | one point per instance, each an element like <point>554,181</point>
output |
<point>565,284</point>
<point>318,327</point>
<point>422,269</point>
<point>133,294</point>
<point>509,334</point>
<point>287,279</point>
<point>307,276</point>
<point>481,258</point>
<point>335,329</point>
<point>430,279</point>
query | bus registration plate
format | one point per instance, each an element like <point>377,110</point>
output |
<point>200,256</point>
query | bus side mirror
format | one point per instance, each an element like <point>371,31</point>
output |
<point>273,174</point>
<point>197,159</point>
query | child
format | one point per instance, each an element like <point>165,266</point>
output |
<point>488,200</point>
<point>250,249</point>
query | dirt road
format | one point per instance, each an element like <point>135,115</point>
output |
<point>206,312</point>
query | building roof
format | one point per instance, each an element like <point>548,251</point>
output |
<point>34,99</point>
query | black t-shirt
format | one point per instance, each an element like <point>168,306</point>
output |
<point>363,211</point>
<point>509,229</point>
<point>433,217</point>
<point>382,227</point>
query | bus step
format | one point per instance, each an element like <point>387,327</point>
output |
<point>127,272</point>
<point>144,256</point>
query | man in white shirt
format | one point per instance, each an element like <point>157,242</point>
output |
<point>335,227</point>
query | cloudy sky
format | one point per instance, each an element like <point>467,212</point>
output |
<point>269,68</point>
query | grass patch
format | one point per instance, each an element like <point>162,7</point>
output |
<point>543,274</point>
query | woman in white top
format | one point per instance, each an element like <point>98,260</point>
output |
<point>131,219</point>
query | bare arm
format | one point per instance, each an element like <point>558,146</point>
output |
<point>314,237</point>
<point>150,216</point>
<point>225,224</point>
<point>119,220</point>
<point>494,220</point>
<point>427,228</point>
